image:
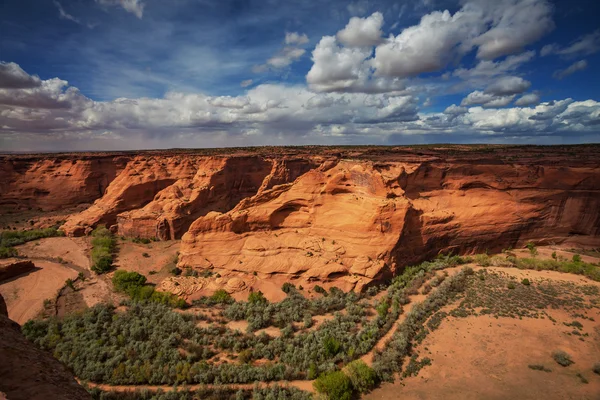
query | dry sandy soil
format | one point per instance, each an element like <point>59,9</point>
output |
<point>160,256</point>
<point>71,250</point>
<point>25,294</point>
<point>483,357</point>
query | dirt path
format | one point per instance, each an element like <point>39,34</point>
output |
<point>302,385</point>
<point>25,294</point>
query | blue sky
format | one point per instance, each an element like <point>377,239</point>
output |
<point>128,74</point>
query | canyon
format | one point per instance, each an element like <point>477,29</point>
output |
<point>350,215</point>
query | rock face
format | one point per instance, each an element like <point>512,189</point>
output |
<point>27,373</point>
<point>10,268</point>
<point>351,214</point>
<point>51,183</point>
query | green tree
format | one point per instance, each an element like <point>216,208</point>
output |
<point>362,376</point>
<point>335,385</point>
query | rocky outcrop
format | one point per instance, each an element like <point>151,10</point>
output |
<point>28,373</point>
<point>356,214</point>
<point>361,221</point>
<point>10,268</point>
<point>51,183</point>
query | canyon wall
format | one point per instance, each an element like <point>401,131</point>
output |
<point>357,214</point>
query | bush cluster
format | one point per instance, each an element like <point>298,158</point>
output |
<point>134,284</point>
<point>103,247</point>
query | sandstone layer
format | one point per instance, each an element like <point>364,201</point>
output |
<point>356,214</point>
<point>9,268</point>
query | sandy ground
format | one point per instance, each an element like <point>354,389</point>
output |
<point>72,250</point>
<point>488,358</point>
<point>160,254</point>
<point>25,294</point>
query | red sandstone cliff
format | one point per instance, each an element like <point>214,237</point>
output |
<point>355,214</point>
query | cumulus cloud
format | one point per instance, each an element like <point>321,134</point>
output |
<point>358,58</point>
<point>455,110</point>
<point>530,99</point>
<point>488,100</point>
<point>507,86</point>
<point>268,114</point>
<point>489,69</point>
<point>295,38</point>
<point>583,46</point>
<point>571,69</point>
<point>290,53</point>
<point>426,47</point>
<point>514,25</point>
<point>136,7</point>
<point>362,32</point>
<point>12,76</point>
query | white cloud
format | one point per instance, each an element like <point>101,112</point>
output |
<point>295,38</point>
<point>246,83</point>
<point>54,114</point>
<point>348,61</point>
<point>489,69</point>
<point>583,46</point>
<point>530,99</point>
<point>12,76</point>
<point>514,25</point>
<point>488,100</point>
<point>136,7</point>
<point>455,110</point>
<point>508,85</point>
<point>64,15</point>
<point>571,69</point>
<point>362,32</point>
<point>290,53</point>
<point>426,47</point>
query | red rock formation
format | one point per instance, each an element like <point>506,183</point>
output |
<point>12,267</point>
<point>28,373</point>
<point>52,183</point>
<point>356,214</point>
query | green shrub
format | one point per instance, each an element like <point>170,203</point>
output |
<point>335,385</point>
<point>539,367</point>
<point>362,376</point>
<point>103,246</point>
<point>511,285</point>
<point>382,309</point>
<point>582,378</point>
<point>332,346</point>
<point>320,290</point>
<point>562,358</point>
<point>221,297</point>
<point>526,282</point>
<point>288,287</point>
<point>483,260</point>
<point>257,297</point>
<point>124,281</point>
<point>576,258</point>
<point>7,252</point>
<point>532,249</point>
